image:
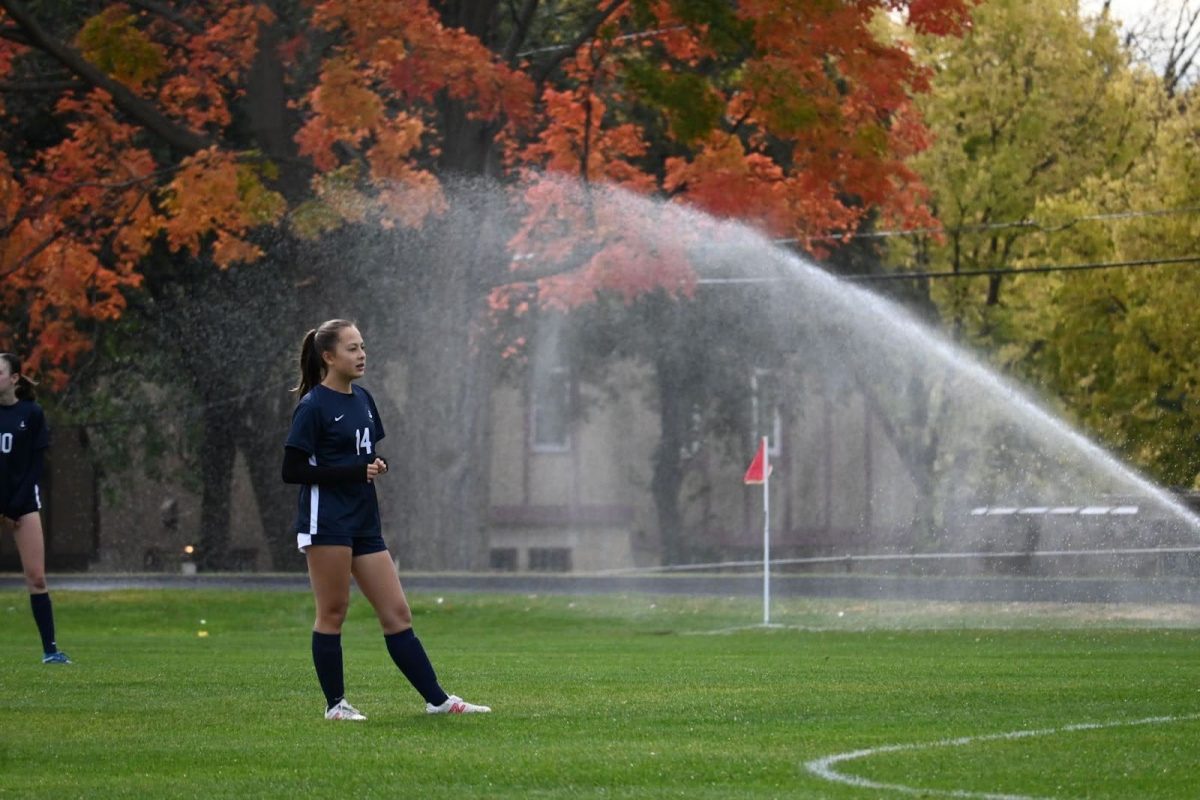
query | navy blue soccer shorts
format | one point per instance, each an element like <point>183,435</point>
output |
<point>33,504</point>
<point>359,545</point>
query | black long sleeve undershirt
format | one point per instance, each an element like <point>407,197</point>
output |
<point>296,469</point>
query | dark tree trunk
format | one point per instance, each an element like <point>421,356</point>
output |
<point>445,432</point>
<point>468,146</point>
<point>217,452</point>
<point>450,366</point>
<point>269,416</point>
<point>445,458</point>
<point>668,464</point>
<point>271,123</point>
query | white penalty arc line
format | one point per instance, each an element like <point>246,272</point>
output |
<point>824,767</point>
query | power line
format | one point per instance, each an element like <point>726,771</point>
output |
<point>995,226</point>
<point>971,273</point>
<point>1148,262</point>
<point>975,228</point>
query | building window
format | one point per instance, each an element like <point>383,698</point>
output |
<point>550,391</point>
<point>765,418</point>
<point>550,559</point>
<point>503,559</point>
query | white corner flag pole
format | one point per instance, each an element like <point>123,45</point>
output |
<point>766,533</point>
<point>759,471</point>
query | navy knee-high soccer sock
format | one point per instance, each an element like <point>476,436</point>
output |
<point>43,615</point>
<point>406,650</point>
<point>327,658</point>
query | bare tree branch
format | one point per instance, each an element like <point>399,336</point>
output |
<point>1168,40</point>
<point>32,254</point>
<point>539,270</point>
<point>28,211</point>
<point>589,31</point>
<point>520,30</point>
<point>1183,47</point>
<point>142,111</point>
<point>107,203</point>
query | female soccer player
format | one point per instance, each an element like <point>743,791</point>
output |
<point>24,438</point>
<point>330,451</point>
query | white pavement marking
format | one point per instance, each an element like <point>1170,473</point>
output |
<point>824,767</point>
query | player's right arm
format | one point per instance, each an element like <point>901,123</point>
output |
<point>297,469</point>
<point>301,444</point>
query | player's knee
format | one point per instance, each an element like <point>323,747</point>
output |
<point>36,582</point>
<point>395,619</point>
<point>332,616</point>
<point>404,616</point>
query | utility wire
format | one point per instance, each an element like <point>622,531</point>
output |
<point>970,273</point>
<point>976,228</point>
<point>995,226</point>
<point>1148,262</point>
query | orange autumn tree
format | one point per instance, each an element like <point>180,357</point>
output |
<point>194,129</point>
<point>790,115</point>
<point>78,214</point>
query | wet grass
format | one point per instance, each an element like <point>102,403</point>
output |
<point>599,696</point>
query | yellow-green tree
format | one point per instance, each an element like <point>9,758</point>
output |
<point>1054,148</point>
<point>1119,346</point>
<point>1031,101</point>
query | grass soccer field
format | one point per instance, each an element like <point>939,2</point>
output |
<point>603,697</point>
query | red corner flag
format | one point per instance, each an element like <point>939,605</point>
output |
<point>760,468</point>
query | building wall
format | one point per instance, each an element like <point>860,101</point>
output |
<point>838,486</point>
<point>589,498</point>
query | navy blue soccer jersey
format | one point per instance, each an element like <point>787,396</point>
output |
<point>337,429</point>
<point>23,432</point>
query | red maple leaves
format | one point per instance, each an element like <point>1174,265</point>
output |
<point>792,116</point>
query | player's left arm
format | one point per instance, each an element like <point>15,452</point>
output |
<point>377,424</point>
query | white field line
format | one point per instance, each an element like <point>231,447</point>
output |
<point>824,767</point>
<point>752,627</point>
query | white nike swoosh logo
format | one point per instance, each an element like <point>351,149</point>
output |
<point>338,417</point>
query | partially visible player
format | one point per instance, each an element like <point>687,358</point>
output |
<point>24,437</point>
<point>330,451</point>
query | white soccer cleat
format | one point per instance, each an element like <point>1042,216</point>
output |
<point>456,705</point>
<point>344,710</point>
